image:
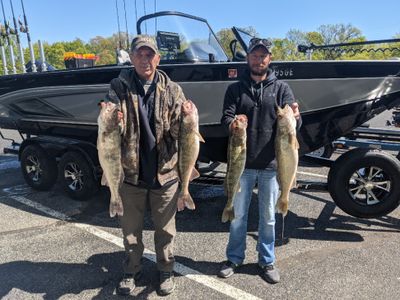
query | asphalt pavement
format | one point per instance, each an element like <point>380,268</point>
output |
<point>53,247</point>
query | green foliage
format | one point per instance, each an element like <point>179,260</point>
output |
<point>225,36</point>
<point>284,49</point>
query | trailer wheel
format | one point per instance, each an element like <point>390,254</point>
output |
<point>76,176</point>
<point>38,168</point>
<point>365,183</point>
<point>325,151</point>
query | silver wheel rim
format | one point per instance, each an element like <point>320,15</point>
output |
<point>318,152</point>
<point>33,169</point>
<point>369,186</point>
<point>73,176</point>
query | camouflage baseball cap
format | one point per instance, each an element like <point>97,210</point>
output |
<point>144,41</point>
<point>256,42</point>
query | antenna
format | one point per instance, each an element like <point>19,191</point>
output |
<point>3,52</point>
<point>144,9</point>
<point>126,28</point>
<point>155,19</point>
<point>25,29</point>
<point>7,26</point>
<point>119,29</point>
<point>21,51</point>
<point>136,11</point>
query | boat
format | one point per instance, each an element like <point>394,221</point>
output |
<point>334,96</point>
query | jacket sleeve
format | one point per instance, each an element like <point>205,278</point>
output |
<point>288,98</point>
<point>230,105</point>
<point>176,113</point>
<point>116,91</point>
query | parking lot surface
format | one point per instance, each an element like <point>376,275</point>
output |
<point>53,247</point>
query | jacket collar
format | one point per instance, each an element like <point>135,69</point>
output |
<point>248,81</point>
<point>130,79</point>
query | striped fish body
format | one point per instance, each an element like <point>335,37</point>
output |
<point>287,156</point>
<point>109,152</point>
<point>189,147</point>
<point>236,160</point>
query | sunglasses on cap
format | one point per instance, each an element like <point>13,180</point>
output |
<point>255,42</point>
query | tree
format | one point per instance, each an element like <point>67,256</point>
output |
<point>225,36</point>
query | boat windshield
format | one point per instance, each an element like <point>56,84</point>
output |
<point>243,37</point>
<point>182,38</point>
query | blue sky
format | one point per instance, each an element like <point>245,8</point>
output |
<point>57,20</point>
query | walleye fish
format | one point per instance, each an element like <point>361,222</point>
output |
<point>236,161</point>
<point>109,150</point>
<point>189,146</point>
<point>287,156</point>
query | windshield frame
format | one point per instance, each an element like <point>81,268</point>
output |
<point>179,14</point>
<point>238,34</point>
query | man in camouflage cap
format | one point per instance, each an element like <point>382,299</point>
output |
<point>149,158</point>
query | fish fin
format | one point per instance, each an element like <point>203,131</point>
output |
<point>116,208</point>
<point>293,141</point>
<point>228,214</point>
<point>294,183</point>
<point>282,205</point>
<point>187,200</point>
<point>104,180</point>
<point>225,188</point>
<point>195,174</point>
<point>238,188</point>
<point>201,139</point>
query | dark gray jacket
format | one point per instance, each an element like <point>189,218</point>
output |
<point>257,102</point>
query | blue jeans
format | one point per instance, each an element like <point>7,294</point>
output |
<point>268,190</point>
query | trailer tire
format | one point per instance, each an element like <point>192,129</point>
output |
<point>76,176</point>
<point>324,151</point>
<point>38,168</point>
<point>365,183</point>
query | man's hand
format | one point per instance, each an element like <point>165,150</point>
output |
<point>295,107</point>
<point>120,114</point>
<point>242,118</point>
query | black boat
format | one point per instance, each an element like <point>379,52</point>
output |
<point>334,96</point>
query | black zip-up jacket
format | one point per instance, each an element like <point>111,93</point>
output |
<point>257,102</point>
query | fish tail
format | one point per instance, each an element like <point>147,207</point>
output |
<point>116,207</point>
<point>283,204</point>
<point>228,214</point>
<point>187,200</point>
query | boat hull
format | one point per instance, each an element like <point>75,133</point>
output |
<point>334,98</point>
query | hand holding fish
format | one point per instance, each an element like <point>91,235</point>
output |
<point>120,114</point>
<point>296,112</point>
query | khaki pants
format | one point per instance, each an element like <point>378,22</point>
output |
<point>163,205</point>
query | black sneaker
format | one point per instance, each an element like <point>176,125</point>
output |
<point>167,284</point>
<point>227,269</point>
<point>127,284</point>
<point>271,274</point>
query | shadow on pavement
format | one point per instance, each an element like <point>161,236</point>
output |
<point>54,279</point>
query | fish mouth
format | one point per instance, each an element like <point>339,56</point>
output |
<point>188,107</point>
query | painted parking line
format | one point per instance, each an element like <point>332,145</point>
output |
<point>312,174</point>
<point>185,271</point>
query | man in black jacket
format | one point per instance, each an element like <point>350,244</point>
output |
<point>256,96</point>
